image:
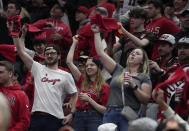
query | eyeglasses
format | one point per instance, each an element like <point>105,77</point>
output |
<point>50,53</point>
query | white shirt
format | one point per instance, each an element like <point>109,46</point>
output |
<point>51,88</point>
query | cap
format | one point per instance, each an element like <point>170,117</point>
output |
<point>168,38</point>
<point>107,127</point>
<point>183,40</point>
<point>83,58</point>
<point>53,46</point>
<point>83,9</point>
<point>185,12</point>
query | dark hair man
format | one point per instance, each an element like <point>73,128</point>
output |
<point>176,84</point>
<point>17,99</point>
<point>158,24</point>
<point>51,87</point>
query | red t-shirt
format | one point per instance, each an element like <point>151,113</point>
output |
<point>161,26</point>
<point>99,97</point>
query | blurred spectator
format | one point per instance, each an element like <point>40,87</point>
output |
<point>169,13</point>
<point>103,3</point>
<point>180,6</point>
<point>81,16</point>
<point>166,50</point>
<point>129,4</point>
<point>158,96</point>
<point>18,101</point>
<point>57,32</point>
<point>159,25</point>
<point>143,124</point>
<point>176,81</point>
<point>139,38</point>
<point>38,10</point>
<point>4,113</point>
<point>12,10</point>
<point>170,125</point>
<point>93,92</point>
<point>139,89</point>
<point>184,21</point>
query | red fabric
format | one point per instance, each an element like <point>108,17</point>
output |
<point>16,25</point>
<point>19,105</point>
<point>158,27</point>
<point>104,23</point>
<point>28,88</point>
<point>86,36</point>
<point>32,28</point>
<point>101,98</point>
<point>58,27</point>
<point>178,75</point>
<point>8,51</point>
<point>110,8</point>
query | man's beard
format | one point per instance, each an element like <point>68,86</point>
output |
<point>51,63</point>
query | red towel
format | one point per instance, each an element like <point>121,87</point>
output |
<point>8,51</point>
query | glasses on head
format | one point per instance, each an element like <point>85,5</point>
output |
<point>50,53</point>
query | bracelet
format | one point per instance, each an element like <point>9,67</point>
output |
<point>135,88</point>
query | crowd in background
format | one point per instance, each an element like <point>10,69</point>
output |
<point>89,65</point>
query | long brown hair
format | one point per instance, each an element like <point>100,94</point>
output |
<point>98,83</point>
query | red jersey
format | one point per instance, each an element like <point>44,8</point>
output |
<point>158,27</point>
<point>99,97</point>
<point>19,105</point>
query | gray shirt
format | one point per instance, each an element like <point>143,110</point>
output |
<point>115,97</point>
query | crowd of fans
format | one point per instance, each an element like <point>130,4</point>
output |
<point>89,65</point>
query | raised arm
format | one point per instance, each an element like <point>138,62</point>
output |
<point>28,61</point>
<point>69,61</point>
<point>108,63</point>
<point>136,40</point>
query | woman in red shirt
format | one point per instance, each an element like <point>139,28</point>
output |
<point>93,92</point>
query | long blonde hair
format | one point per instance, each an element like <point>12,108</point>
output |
<point>143,68</point>
<point>98,83</point>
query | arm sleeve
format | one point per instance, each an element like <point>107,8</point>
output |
<point>23,114</point>
<point>70,87</point>
<point>171,27</point>
<point>169,113</point>
<point>36,68</point>
<point>147,80</point>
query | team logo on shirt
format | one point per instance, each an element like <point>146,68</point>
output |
<point>53,81</point>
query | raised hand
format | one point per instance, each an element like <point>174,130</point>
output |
<point>95,28</point>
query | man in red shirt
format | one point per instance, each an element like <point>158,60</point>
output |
<point>17,99</point>
<point>57,32</point>
<point>159,25</point>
